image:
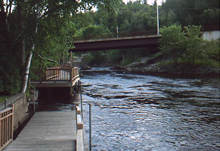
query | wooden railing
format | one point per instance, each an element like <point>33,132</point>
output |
<point>6,126</point>
<point>62,73</point>
<point>75,73</point>
<point>52,73</point>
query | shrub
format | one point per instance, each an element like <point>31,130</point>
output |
<point>172,42</point>
<point>187,47</point>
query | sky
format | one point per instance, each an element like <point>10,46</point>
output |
<point>148,1</point>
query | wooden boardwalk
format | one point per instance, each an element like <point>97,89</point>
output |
<point>47,131</point>
<point>53,130</point>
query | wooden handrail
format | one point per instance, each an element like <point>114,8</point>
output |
<point>62,73</point>
<point>52,76</point>
<point>6,126</point>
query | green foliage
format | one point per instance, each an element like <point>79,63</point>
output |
<point>88,59</point>
<point>93,32</point>
<point>193,12</point>
<point>56,26</point>
<point>193,45</point>
<point>3,98</point>
<point>187,47</point>
<point>114,56</point>
<point>95,58</point>
<point>212,51</point>
<point>126,60</point>
<point>172,41</point>
<point>136,18</point>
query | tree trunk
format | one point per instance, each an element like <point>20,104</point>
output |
<point>21,28</point>
<point>28,65</point>
<point>27,71</point>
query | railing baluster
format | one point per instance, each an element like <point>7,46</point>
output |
<point>4,131</point>
<point>6,126</point>
<point>0,131</point>
<point>62,73</point>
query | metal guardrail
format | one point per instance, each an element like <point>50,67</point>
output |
<point>6,126</point>
<point>115,35</point>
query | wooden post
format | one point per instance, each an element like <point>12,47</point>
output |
<point>0,131</point>
<point>12,123</point>
<point>70,72</point>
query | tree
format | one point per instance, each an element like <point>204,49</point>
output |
<point>194,12</point>
<point>31,18</point>
<point>172,42</point>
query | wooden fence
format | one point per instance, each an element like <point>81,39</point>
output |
<point>6,126</point>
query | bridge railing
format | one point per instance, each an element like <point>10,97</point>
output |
<point>114,35</point>
<point>6,126</point>
<point>61,73</point>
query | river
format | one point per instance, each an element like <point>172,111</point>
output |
<point>133,112</point>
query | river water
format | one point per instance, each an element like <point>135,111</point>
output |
<point>133,112</point>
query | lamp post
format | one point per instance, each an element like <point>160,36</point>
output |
<point>158,22</point>
<point>117,31</point>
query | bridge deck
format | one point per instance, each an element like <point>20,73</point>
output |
<point>117,43</point>
<point>47,131</point>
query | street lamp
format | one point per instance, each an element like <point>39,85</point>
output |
<point>158,22</point>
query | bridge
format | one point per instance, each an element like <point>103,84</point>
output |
<point>52,130</point>
<point>116,43</point>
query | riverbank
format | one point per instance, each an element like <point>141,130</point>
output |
<point>170,70</point>
<point>182,53</point>
<point>160,67</point>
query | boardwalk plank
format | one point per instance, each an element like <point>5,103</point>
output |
<point>47,131</point>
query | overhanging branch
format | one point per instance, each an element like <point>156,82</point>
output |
<point>44,58</point>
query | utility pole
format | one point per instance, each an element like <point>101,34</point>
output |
<point>117,30</point>
<point>158,22</point>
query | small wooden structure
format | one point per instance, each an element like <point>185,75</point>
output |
<point>59,77</point>
<point>6,126</point>
<point>58,83</point>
